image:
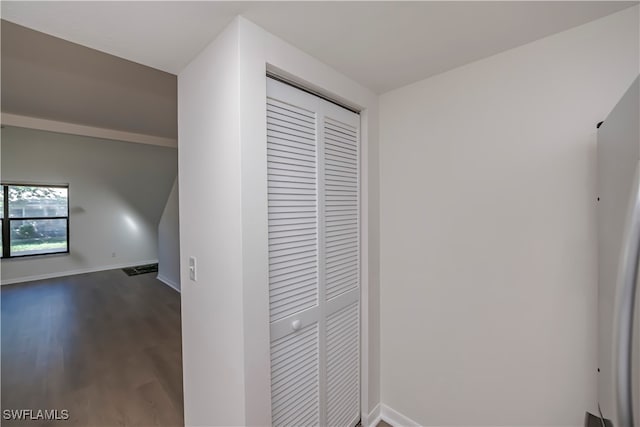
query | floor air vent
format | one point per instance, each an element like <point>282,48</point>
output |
<point>141,269</point>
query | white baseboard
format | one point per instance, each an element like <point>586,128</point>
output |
<point>170,283</point>
<point>74,272</point>
<point>374,417</point>
<point>392,417</point>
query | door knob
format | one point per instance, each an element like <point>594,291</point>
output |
<point>296,324</point>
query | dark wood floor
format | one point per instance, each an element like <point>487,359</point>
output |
<point>104,346</point>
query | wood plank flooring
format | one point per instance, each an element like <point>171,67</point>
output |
<point>104,346</point>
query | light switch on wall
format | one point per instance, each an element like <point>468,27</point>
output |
<point>192,268</point>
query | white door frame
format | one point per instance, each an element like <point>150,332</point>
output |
<point>364,234</point>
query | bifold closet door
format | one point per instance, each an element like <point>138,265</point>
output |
<point>314,259</point>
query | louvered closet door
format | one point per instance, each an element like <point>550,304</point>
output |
<point>314,259</point>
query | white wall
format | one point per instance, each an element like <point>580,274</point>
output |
<point>169,241</point>
<point>222,158</point>
<point>211,230</point>
<point>488,231</point>
<point>117,191</point>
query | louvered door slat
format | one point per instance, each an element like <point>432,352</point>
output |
<point>341,207</point>
<point>343,366</point>
<point>294,378</point>
<point>293,210</point>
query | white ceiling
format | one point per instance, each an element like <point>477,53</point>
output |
<point>382,45</point>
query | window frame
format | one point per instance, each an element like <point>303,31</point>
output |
<point>6,220</point>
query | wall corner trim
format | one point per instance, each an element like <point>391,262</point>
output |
<point>391,416</point>
<point>28,122</point>
<point>170,283</point>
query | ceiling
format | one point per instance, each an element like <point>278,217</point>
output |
<point>49,78</point>
<point>382,45</point>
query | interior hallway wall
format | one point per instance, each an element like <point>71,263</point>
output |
<point>169,241</point>
<point>211,230</point>
<point>488,231</point>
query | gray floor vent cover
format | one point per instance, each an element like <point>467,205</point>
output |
<point>141,269</point>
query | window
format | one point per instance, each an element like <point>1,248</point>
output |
<point>35,220</point>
